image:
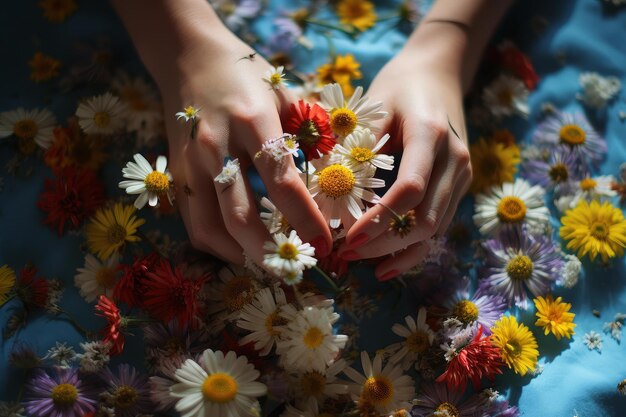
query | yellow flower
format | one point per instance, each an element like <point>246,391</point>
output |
<point>57,10</point>
<point>554,317</point>
<point>43,67</point>
<point>109,229</point>
<point>357,13</point>
<point>517,344</point>
<point>7,281</point>
<point>342,71</point>
<point>593,229</point>
<point>493,163</point>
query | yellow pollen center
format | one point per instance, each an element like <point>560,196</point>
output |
<point>102,119</point>
<point>26,129</point>
<point>190,112</point>
<point>105,277</point>
<point>449,409</point>
<point>116,234</point>
<point>520,268</point>
<point>513,348</point>
<point>588,184</point>
<point>313,338</point>
<point>466,311</point>
<point>418,342</point>
<point>157,182</point>
<point>64,395</point>
<point>125,397</point>
<point>343,121</point>
<point>275,79</point>
<point>219,388</point>
<point>511,209</point>
<point>288,251</point>
<point>272,321</point>
<point>313,384</point>
<point>572,135</point>
<point>336,181</point>
<point>238,292</point>
<point>558,173</point>
<point>378,390</point>
<point>599,230</point>
<point>362,154</point>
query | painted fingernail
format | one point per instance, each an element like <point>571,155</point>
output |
<point>388,275</point>
<point>321,247</point>
<point>350,255</point>
<point>359,240</point>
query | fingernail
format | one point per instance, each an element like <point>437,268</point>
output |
<point>388,275</point>
<point>349,255</point>
<point>359,240</point>
<point>321,247</point>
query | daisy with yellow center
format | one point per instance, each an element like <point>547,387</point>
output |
<point>554,316</point>
<point>150,184</point>
<point>316,387</point>
<point>30,127</point>
<point>7,281</point>
<point>357,13</point>
<point>511,205</point>
<point>273,219</point>
<point>188,113</point>
<point>219,385</point>
<point>262,318</point>
<point>589,188</point>
<point>57,10</point>
<point>275,77</point>
<point>360,149</point>
<point>384,389</point>
<point>418,337</point>
<point>594,230</point>
<point>517,344</point>
<point>288,255</point>
<point>493,163</point>
<point>345,117</point>
<point>506,96</point>
<point>110,228</point>
<point>43,67</point>
<point>307,342</point>
<point>102,115</point>
<point>97,277</point>
<point>342,71</point>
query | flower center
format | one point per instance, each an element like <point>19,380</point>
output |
<point>505,97</point>
<point>219,388</point>
<point>588,184</point>
<point>157,182</point>
<point>102,119</point>
<point>64,395</point>
<point>513,348</point>
<point>599,230</point>
<point>336,181</point>
<point>313,384</point>
<point>466,311</point>
<point>558,173</point>
<point>448,409</point>
<point>418,341</point>
<point>105,277</point>
<point>125,397</point>
<point>511,209</point>
<point>273,320</point>
<point>378,390</point>
<point>362,154</point>
<point>520,268</point>
<point>490,166</point>
<point>313,337</point>
<point>190,112</point>
<point>308,133</point>
<point>572,135</point>
<point>25,129</point>
<point>238,292</point>
<point>116,234</point>
<point>288,251</point>
<point>343,121</point>
<point>275,79</point>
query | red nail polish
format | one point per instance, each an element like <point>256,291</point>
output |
<point>359,240</point>
<point>321,248</point>
<point>388,275</point>
<point>349,255</point>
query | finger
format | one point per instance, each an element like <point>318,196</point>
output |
<point>401,262</point>
<point>460,189</point>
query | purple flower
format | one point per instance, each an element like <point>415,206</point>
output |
<point>518,261</point>
<point>502,409</point>
<point>437,398</point>
<point>127,392</point>
<point>557,173</point>
<point>61,395</point>
<point>286,34</point>
<point>480,309</point>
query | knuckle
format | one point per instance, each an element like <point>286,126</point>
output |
<point>247,112</point>
<point>237,219</point>
<point>413,184</point>
<point>438,128</point>
<point>463,156</point>
<point>285,183</point>
<point>430,222</point>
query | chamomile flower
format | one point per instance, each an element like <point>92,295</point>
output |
<point>506,96</point>
<point>28,126</point>
<point>361,150</point>
<point>589,188</point>
<point>103,114</point>
<point>262,318</point>
<point>418,337</point>
<point>188,113</point>
<point>316,386</point>
<point>273,219</point>
<point>229,172</point>
<point>147,182</point>
<point>511,205</point>
<point>345,117</point>
<point>97,277</point>
<point>288,254</point>
<point>275,77</point>
<point>593,340</point>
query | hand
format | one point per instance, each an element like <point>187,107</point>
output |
<point>423,95</point>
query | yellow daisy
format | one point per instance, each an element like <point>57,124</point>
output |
<point>57,10</point>
<point>43,67</point>
<point>517,344</point>
<point>7,281</point>
<point>554,317</point>
<point>357,13</point>
<point>593,229</point>
<point>109,229</point>
<point>342,71</point>
<point>493,163</point>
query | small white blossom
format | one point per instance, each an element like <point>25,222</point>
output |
<point>62,355</point>
<point>598,90</point>
<point>229,172</point>
<point>96,356</point>
<point>188,113</point>
<point>593,340</point>
<point>570,271</point>
<point>615,328</point>
<point>288,255</point>
<point>275,77</point>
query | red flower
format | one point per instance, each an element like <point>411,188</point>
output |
<point>131,287</point>
<point>169,295</point>
<point>311,126</point>
<point>515,61</point>
<point>478,359</point>
<point>72,196</point>
<point>32,291</point>
<point>112,332</point>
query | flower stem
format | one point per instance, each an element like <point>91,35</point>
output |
<point>86,333</point>
<point>328,279</point>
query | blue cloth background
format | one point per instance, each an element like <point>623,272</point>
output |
<point>589,35</point>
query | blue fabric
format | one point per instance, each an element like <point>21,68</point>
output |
<point>587,33</point>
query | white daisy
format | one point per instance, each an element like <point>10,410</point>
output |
<point>223,386</point>
<point>315,386</point>
<point>275,77</point>
<point>188,113</point>
<point>310,409</point>
<point>589,189</point>
<point>510,204</point>
<point>506,96</point>
<point>148,183</point>
<point>262,317</point>
<point>386,389</point>
<point>97,277</point>
<point>273,219</point>
<point>229,172</point>
<point>288,254</point>
<point>29,125</point>
<point>104,114</point>
<point>593,340</point>
<point>307,342</point>
<point>338,189</point>
<point>361,149</point>
<point>277,148</point>
<point>345,117</point>
<point>418,337</point>
<point>570,272</point>
<point>598,90</point>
